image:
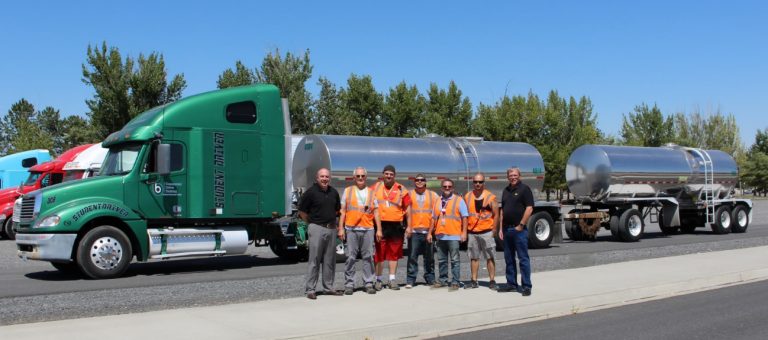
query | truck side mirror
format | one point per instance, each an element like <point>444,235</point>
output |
<point>28,162</point>
<point>163,159</point>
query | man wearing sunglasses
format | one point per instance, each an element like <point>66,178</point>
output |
<point>356,226</point>
<point>391,203</point>
<point>421,214</point>
<point>480,225</point>
<point>450,229</point>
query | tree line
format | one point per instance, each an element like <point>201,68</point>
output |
<point>556,125</point>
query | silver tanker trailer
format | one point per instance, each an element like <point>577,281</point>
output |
<point>680,188</point>
<point>437,158</point>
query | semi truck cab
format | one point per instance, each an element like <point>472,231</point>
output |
<point>195,177</point>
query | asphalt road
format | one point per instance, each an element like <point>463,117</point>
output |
<point>734,312</point>
<point>34,291</point>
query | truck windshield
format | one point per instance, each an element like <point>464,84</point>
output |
<point>120,160</point>
<point>33,176</point>
<point>72,175</point>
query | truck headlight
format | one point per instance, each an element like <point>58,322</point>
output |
<point>50,221</point>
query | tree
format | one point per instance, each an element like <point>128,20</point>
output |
<point>448,112</point>
<point>331,116</point>
<point>76,130</point>
<point>240,76</point>
<point>755,172</point>
<point>124,89</point>
<point>21,129</point>
<point>290,74</point>
<point>362,101</point>
<point>761,142</point>
<point>404,112</point>
<point>647,127</point>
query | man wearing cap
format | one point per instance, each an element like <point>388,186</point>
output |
<point>421,214</point>
<point>391,204</point>
<point>450,229</point>
<point>480,225</point>
<point>319,207</point>
<point>356,226</point>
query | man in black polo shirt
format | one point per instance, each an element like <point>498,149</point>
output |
<point>517,206</point>
<point>319,208</point>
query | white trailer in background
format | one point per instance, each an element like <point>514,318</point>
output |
<point>86,164</point>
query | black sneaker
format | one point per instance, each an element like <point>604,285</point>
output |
<point>472,284</point>
<point>526,292</point>
<point>492,285</point>
<point>507,289</point>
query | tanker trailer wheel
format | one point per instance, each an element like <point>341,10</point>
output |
<point>573,230</point>
<point>723,220</point>
<point>540,230</point>
<point>666,230</point>
<point>614,222</point>
<point>8,229</point>
<point>740,219</point>
<point>104,253</point>
<point>631,225</point>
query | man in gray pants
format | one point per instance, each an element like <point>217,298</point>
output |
<point>356,226</point>
<point>319,207</point>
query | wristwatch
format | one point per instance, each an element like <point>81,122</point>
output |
<point>522,225</point>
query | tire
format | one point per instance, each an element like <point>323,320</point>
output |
<point>277,245</point>
<point>104,253</point>
<point>574,231</point>
<point>614,222</point>
<point>740,219</point>
<point>665,229</point>
<point>8,229</point>
<point>723,221</point>
<point>66,268</point>
<point>631,226</point>
<point>540,227</point>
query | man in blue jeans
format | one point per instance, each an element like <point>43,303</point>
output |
<point>421,215</point>
<point>450,228</point>
<point>516,209</point>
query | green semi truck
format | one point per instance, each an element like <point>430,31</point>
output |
<point>202,176</point>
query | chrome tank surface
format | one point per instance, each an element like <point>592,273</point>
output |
<point>600,171</point>
<point>436,157</point>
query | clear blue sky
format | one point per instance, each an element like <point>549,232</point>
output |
<point>681,55</point>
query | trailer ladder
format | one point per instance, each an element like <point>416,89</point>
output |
<point>707,192</point>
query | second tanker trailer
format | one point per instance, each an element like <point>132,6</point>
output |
<point>617,187</point>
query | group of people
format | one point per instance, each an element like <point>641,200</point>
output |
<point>375,220</point>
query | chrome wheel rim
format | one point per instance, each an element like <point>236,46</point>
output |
<point>725,219</point>
<point>106,253</point>
<point>742,218</point>
<point>542,229</point>
<point>635,225</point>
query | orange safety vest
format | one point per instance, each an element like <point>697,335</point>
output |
<point>422,216</point>
<point>482,221</point>
<point>448,219</point>
<point>390,210</point>
<point>355,215</point>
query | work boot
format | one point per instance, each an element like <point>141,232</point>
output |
<point>472,284</point>
<point>349,291</point>
<point>370,290</point>
<point>492,285</point>
<point>454,287</point>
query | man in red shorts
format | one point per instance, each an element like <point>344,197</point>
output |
<point>391,202</point>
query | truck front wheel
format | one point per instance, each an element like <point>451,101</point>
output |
<point>8,229</point>
<point>104,252</point>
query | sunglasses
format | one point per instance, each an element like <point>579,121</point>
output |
<point>478,182</point>
<point>360,176</point>
<point>447,187</point>
<point>420,180</point>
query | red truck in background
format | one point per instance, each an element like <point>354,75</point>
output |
<point>40,176</point>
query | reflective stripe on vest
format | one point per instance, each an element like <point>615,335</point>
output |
<point>388,210</point>
<point>422,216</point>
<point>483,221</point>
<point>355,215</point>
<point>449,223</point>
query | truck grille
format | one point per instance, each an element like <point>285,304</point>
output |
<point>27,209</point>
